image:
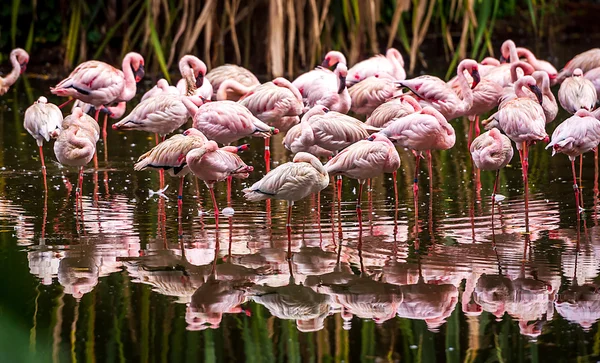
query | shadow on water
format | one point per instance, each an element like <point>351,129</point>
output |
<point>129,282</point>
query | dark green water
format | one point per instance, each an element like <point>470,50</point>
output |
<point>125,286</point>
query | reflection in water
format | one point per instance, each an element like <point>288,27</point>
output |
<point>142,278</point>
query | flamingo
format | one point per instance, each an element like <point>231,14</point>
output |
<point>425,130</point>
<point>101,84</point>
<point>211,164</point>
<point>492,150</point>
<point>538,64</point>
<point>76,144</point>
<point>364,160</point>
<point>585,61</point>
<point>594,76</point>
<point>115,111</point>
<point>293,135</point>
<point>43,121</point>
<point>392,64</point>
<point>19,59</point>
<point>524,122</point>
<point>329,90</point>
<point>549,104</point>
<point>193,71</point>
<point>397,107</point>
<point>577,92</point>
<point>170,155</point>
<point>370,93</point>
<point>292,181</point>
<point>162,87</point>
<point>218,75</point>
<point>228,121</point>
<point>332,59</point>
<point>575,136</point>
<point>432,91</point>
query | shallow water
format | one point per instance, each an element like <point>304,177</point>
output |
<point>131,282</point>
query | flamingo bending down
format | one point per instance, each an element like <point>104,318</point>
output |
<point>19,59</point>
<point>291,181</point>
<point>594,76</point>
<point>425,130</point>
<point>577,92</point>
<point>585,61</point>
<point>492,150</point>
<point>434,92</point>
<point>575,136</point>
<point>193,72</point>
<point>524,122</point>
<point>538,64</point>
<point>329,90</point>
<point>397,107</point>
<point>170,155</point>
<point>43,121</point>
<point>211,164</point>
<point>370,93</point>
<point>364,160</point>
<point>228,121</point>
<point>292,137</point>
<point>218,75</point>
<point>392,64</point>
<point>162,87</point>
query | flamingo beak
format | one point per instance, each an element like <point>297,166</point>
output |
<point>199,80</point>
<point>23,67</point>
<point>502,59</point>
<point>139,73</point>
<point>107,111</point>
<point>538,93</point>
<point>371,138</point>
<point>274,131</point>
<point>342,84</point>
<point>242,148</point>
<point>476,78</point>
<point>325,63</point>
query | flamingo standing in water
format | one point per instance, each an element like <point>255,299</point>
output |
<point>218,75</point>
<point>585,61</point>
<point>364,160</point>
<point>43,121</point>
<point>101,84</point>
<point>577,135</point>
<point>19,59</point>
<point>524,122</point>
<point>370,93</point>
<point>397,107</point>
<point>492,150</point>
<point>392,64</point>
<point>425,130</point>
<point>577,92</point>
<point>211,164</point>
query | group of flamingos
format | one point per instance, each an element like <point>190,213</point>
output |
<point>228,104</point>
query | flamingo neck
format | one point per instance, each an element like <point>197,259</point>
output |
<point>282,82</point>
<point>231,85</point>
<point>129,88</point>
<point>394,56</point>
<point>467,101</point>
<point>519,88</point>
<point>525,67</point>
<point>190,105</point>
<point>12,77</point>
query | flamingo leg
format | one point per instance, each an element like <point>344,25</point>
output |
<point>525,165</point>
<point>180,206</point>
<point>104,138</point>
<point>267,154</point>
<point>214,200</point>
<point>80,191</point>
<point>289,216</point>
<point>358,209</point>
<point>575,186</point>
<point>394,178</point>
<point>494,195</point>
<point>289,238</point>
<point>470,135</point>
<point>43,168</point>
<point>339,188</point>
<point>580,181</point>
<point>66,102</point>
<point>416,192</point>
<point>229,180</point>
<point>596,190</point>
<point>477,129</point>
<point>96,159</point>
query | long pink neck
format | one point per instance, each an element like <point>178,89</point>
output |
<point>14,73</point>
<point>129,89</point>
<point>192,107</point>
<point>519,87</point>
<point>543,81</point>
<point>526,67</point>
<point>411,101</point>
<point>282,82</point>
<point>467,101</point>
<point>394,56</point>
<point>231,86</point>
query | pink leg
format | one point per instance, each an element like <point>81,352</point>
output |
<point>80,191</point>
<point>43,168</point>
<point>267,154</point>
<point>289,216</point>
<point>580,181</point>
<point>494,195</point>
<point>66,102</point>
<point>339,188</point>
<point>358,209</point>
<point>416,192</point>
<point>96,160</point>
<point>229,180</point>
<point>470,135</point>
<point>216,207</point>
<point>289,237</point>
<point>394,178</point>
<point>104,138</point>
<point>477,129</point>
<point>525,166</point>
<point>575,186</point>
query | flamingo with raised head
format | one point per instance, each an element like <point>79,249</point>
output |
<point>575,136</point>
<point>397,107</point>
<point>492,150</point>
<point>577,92</point>
<point>392,65</point>
<point>218,75</point>
<point>370,93</point>
<point>523,121</point>
<point>585,61</point>
<point>18,59</point>
<point>292,181</point>
<point>43,121</point>
<point>211,164</point>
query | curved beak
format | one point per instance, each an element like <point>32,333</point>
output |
<point>502,59</point>
<point>538,93</point>
<point>199,80</point>
<point>342,84</point>
<point>325,63</point>
<point>476,78</point>
<point>242,148</point>
<point>139,73</point>
<point>107,111</point>
<point>371,138</point>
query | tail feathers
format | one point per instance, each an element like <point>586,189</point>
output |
<point>255,195</point>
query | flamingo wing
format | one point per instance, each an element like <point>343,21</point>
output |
<point>93,82</point>
<point>362,160</point>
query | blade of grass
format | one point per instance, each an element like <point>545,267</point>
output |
<point>160,57</point>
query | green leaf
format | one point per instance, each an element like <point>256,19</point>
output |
<point>158,51</point>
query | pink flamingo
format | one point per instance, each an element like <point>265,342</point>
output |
<point>218,75</point>
<point>292,181</point>
<point>332,59</point>
<point>585,61</point>
<point>392,64</point>
<point>193,71</point>
<point>425,130</point>
<point>76,144</point>
<point>364,160</point>
<point>329,90</point>
<point>524,122</point>
<point>549,104</point>
<point>577,92</point>
<point>397,107</point>
<point>211,164</point>
<point>434,92</point>
<point>43,121</point>
<point>228,121</point>
<point>101,84</point>
<point>162,87</point>
<point>492,150</point>
<point>594,76</point>
<point>170,155</point>
<point>292,136</point>
<point>19,59</point>
<point>370,93</point>
<point>539,65</point>
<point>575,136</point>
<point>116,111</point>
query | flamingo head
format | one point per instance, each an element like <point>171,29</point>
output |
<point>505,50</point>
<point>42,100</point>
<point>342,72</point>
<point>577,72</point>
<point>332,58</point>
<point>107,111</point>
<point>537,92</point>
<point>199,80</point>
<point>137,65</point>
<point>475,75</point>
<point>242,148</point>
<point>22,57</point>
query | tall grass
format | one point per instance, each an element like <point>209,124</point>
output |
<point>280,37</point>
